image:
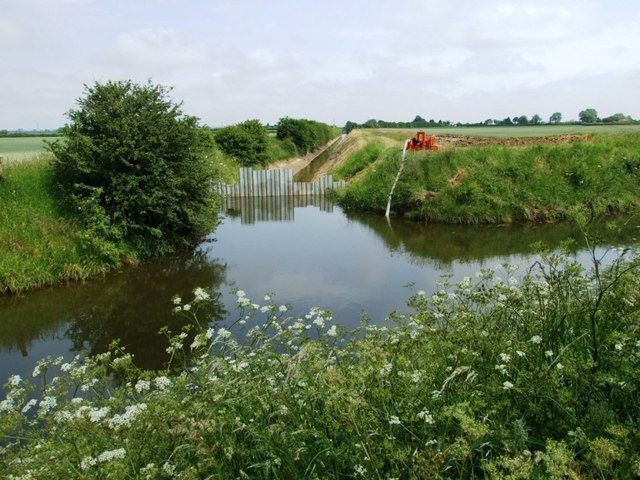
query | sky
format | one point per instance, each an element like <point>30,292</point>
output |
<point>331,61</point>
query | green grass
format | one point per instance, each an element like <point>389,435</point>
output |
<point>22,148</point>
<point>498,184</point>
<point>40,244</point>
<point>493,377</point>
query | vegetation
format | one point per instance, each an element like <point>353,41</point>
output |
<point>247,142</point>
<point>301,136</point>
<point>500,376</point>
<point>133,167</point>
<point>498,184</point>
<point>41,244</point>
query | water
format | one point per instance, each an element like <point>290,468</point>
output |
<point>307,253</point>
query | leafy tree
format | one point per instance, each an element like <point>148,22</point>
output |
<point>616,117</point>
<point>590,115</point>
<point>536,120</point>
<point>555,118</point>
<point>350,126</point>
<point>523,120</point>
<point>307,135</point>
<point>133,166</point>
<point>247,142</point>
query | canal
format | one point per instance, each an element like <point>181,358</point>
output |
<point>307,253</point>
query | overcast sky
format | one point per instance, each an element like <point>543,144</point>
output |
<point>332,61</point>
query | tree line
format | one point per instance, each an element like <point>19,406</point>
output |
<point>589,115</point>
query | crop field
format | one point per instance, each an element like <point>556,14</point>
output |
<point>515,131</point>
<point>22,148</point>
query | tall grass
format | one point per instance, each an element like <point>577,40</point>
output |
<point>40,244</point>
<point>506,184</point>
<point>499,376</point>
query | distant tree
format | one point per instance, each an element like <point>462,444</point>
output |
<point>536,120</point>
<point>419,122</point>
<point>515,120</point>
<point>523,120</point>
<point>506,121</point>
<point>555,118</point>
<point>371,123</point>
<point>350,126</point>
<point>616,117</point>
<point>590,115</point>
<point>247,142</point>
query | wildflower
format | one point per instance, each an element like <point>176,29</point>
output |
<point>386,369</point>
<point>332,332</point>
<point>506,358</point>
<point>240,294</point>
<point>126,418</point>
<point>426,416</point>
<point>422,293</point>
<point>46,404</point>
<point>502,368</point>
<point>29,404</point>
<point>109,455</point>
<point>537,339</point>
<point>360,470</point>
<point>416,376</point>
<point>187,307</point>
<point>14,380</point>
<point>548,353</point>
<point>88,462</point>
<point>142,385</point>
<point>507,385</point>
<point>209,333</point>
<point>200,294</point>
<point>97,414</point>
<point>267,298</point>
<point>176,300</point>
<point>618,346</point>
<point>224,333</point>
<point>319,321</point>
<point>559,366</point>
<point>393,420</point>
<point>282,308</point>
<point>520,353</point>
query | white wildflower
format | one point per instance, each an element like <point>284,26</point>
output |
<point>319,321</point>
<point>416,376</point>
<point>422,293</point>
<point>142,385</point>
<point>332,332</point>
<point>618,346</point>
<point>46,404</point>
<point>393,420</point>
<point>177,300</point>
<point>14,380</point>
<point>267,298</point>
<point>240,294</point>
<point>426,416</point>
<point>507,385</point>
<point>186,307</point>
<point>548,353</point>
<point>386,369</point>
<point>502,368</point>
<point>505,357</point>
<point>520,353</point>
<point>282,308</point>
<point>88,462</point>
<point>200,294</point>
<point>97,414</point>
<point>29,404</point>
<point>224,333</point>
<point>559,366</point>
<point>360,470</point>
<point>109,455</point>
<point>537,339</point>
<point>162,382</point>
<point>126,418</point>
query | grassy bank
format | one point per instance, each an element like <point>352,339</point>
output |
<point>499,376</point>
<point>40,243</point>
<point>494,184</point>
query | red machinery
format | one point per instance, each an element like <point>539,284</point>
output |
<point>422,142</point>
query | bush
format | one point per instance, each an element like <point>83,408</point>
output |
<point>306,135</point>
<point>248,142</point>
<point>132,165</point>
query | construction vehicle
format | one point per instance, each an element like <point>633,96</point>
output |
<point>422,142</point>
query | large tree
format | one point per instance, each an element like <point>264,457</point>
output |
<point>132,165</point>
<point>555,118</point>
<point>590,115</point>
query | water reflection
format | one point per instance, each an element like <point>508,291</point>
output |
<point>131,305</point>
<point>271,209</point>
<point>442,245</point>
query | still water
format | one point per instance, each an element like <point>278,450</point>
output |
<point>308,253</point>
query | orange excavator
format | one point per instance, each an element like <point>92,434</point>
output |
<point>422,142</point>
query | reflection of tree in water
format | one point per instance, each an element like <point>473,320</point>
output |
<point>136,304</point>
<point>443,244</point>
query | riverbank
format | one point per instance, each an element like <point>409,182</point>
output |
<point>497,180</point>
<point>491,377</point>
<point>41,244</point>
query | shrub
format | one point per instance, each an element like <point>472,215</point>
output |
<point>307,135</point>
<point>132,165</point>
<point>248,142</point>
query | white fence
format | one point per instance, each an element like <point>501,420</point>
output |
<point>275,183</point>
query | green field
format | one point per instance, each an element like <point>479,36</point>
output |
<point>22,148</point>
<point>528,131</point>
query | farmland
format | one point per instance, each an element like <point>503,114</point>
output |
<point>22,148</point>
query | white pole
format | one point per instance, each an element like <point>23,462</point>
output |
<point>404,152</point>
